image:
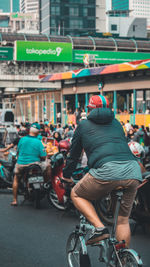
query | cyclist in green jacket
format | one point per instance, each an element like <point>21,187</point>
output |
<point>111,165</point>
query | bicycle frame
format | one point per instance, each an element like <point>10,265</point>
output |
<point>111,251</point>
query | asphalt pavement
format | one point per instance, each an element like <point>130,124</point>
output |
<point>37,238</point>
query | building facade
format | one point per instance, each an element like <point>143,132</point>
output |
<point>120,5</point>
<point>73,17</point>
<point>141,9</point>
<point>29,6</point>
<point>101,22</point>
<point>129,27</point>
<point>19,23</point>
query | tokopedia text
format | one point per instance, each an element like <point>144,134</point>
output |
<point>40,52</point>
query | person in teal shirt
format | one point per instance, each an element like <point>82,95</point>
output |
<point>30,150</point>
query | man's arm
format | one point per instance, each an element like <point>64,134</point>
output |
<point>6,148</point>
<point>42,151</point>
<point>75,152</point>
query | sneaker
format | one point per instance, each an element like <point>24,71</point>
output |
<point>98,234</point>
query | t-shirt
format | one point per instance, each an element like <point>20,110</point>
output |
<point>30,149</point>
<point>118,170</point>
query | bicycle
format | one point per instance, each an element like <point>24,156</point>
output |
<point>112,252</point>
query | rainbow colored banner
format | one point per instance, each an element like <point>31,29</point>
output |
<point>115,68</point>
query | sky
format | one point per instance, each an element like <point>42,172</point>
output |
<point>5,5</point>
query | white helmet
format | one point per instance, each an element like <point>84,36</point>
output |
<point>137,150</point>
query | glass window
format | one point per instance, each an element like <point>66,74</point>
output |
<point>91,24</point>
<point>74,11</point>
<point>76,1</point>
<point>91,12</point>
<point>53,32</point>
<point>134,26</point>
<point>139,94</point>
<point>113,27</point>
<point>75,24</point>
<point>55,10</point>
<point>147,94</point>
<point>53,22</point>
<point>85,11</point>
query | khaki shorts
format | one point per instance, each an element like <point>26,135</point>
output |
<point>19,169</point>
<point>91,188</point>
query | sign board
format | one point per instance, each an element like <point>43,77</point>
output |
<point>22,16</point>
<point>100,85</point>
<point>6,53</point>
<point>107,57</point>
<point>43,51</point>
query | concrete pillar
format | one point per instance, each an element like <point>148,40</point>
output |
<point>86,102</point>
<point>38,107</point>
<point>134,105</point>
<point>76,101</point>
<point>64,110</point>
<point>144,101</point>
<point>115,102</point>
<point>55,120</point>
<point>127,102</point>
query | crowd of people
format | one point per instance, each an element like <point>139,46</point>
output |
<point>140,134</point>
<point>47,129</point>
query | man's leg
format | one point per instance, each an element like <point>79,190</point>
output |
<point>123,230</point>
<point>48,173</point>
<point>87,209</point>
<point>15,190</point>
<point>123,227</point>
<point>46,169</point>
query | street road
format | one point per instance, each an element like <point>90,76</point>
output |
<point>37,238</point>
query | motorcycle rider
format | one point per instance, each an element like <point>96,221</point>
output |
<point>30,150</point>
<point>111,165</point>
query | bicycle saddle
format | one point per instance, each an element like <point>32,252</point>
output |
<point>119,188</point>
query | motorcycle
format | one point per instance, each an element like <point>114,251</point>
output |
<point>59,191</point>
<point>7,170</point>
<point>32,186</point>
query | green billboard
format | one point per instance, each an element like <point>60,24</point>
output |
<point>43,51</point>
<point>6,53</point>
<point>107,57</point>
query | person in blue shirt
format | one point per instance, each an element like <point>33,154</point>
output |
<point>30,150</point>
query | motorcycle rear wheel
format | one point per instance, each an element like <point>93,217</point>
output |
<point>53,199</point>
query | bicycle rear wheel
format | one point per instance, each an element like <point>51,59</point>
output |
<point>76,257</point>
<point>129,258</point>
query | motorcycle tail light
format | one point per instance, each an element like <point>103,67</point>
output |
<point>120,245</point>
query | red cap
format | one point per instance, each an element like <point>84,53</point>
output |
<point>98,101</point>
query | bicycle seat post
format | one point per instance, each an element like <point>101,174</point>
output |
<point>119,194</point>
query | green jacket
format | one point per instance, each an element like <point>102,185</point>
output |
<point>103,139</point>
